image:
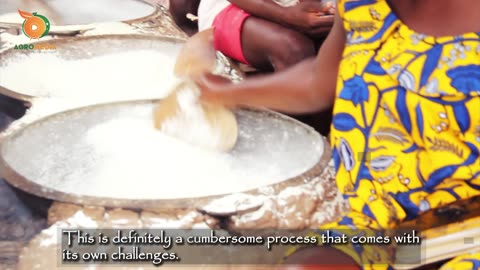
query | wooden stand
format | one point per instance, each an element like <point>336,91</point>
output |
<point>446,232</point>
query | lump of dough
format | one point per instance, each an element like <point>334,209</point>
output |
<point>197,56</point>
<point>183,116</point>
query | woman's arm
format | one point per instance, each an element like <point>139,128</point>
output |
<point>304,88</point>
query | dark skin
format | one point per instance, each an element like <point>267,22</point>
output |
<point>439,18</point>
<point>14,108</point>
<point>284,91</point>
<point>305,17</point>
<point>268,46</point>
<point>179,9</point>
<point>275,37</point>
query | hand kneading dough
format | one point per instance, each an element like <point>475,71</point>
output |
<point>183,116</point>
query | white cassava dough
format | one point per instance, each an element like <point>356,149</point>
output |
<point>142,74</point>
<point>209,126</point>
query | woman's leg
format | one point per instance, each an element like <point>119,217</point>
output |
<point>259,43</point>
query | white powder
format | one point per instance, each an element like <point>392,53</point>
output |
<point>142,74</point>
<point>12,17</point>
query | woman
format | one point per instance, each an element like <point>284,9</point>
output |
<point>404,79</point>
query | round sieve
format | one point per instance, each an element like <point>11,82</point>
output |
<point>65,157</point>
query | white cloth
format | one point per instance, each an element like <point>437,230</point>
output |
<point>286,3</point>
<point>209,9</point>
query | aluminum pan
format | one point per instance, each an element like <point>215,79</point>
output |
<point>86,47</point>
<point>70,12</point>
<point>14,175</point>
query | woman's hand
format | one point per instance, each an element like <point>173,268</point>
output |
<point>306,87</point>
<point>311,17</point>
<point>215,89</point>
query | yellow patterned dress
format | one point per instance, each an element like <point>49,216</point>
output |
<point>406,125</point>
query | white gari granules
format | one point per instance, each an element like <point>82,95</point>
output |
<point>164,166</point>
<point>142,74</point>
